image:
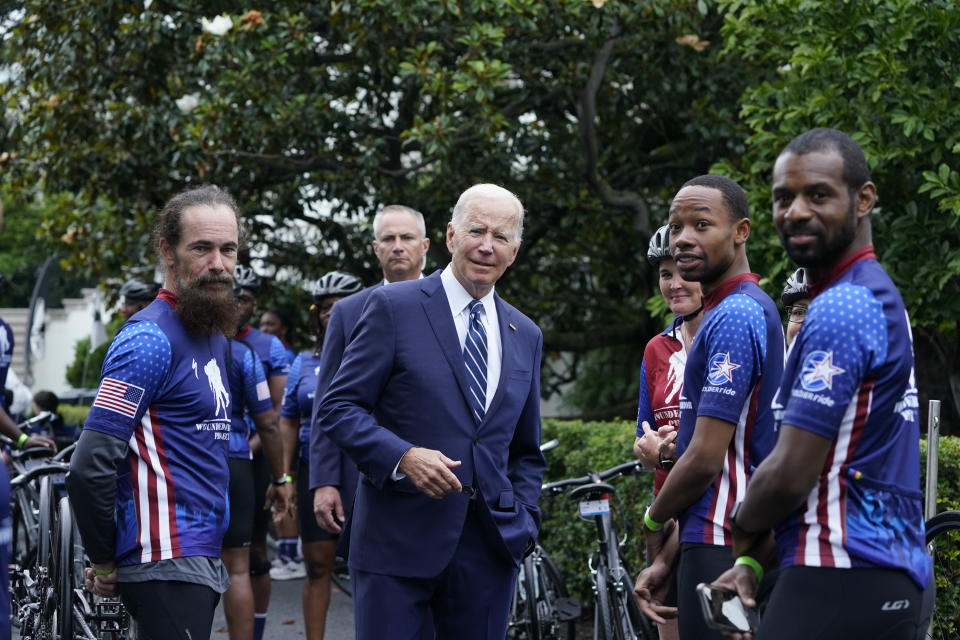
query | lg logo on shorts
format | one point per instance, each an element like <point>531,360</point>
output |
<point>895,605</point>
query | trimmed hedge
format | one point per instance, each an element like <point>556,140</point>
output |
<point>595,446</point>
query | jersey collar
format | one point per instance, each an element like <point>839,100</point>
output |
<point>714,298</point>
<point>816,288</point>
<point>167,296</point>
<point>244,332</point>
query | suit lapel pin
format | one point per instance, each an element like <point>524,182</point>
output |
<point>512,328</point>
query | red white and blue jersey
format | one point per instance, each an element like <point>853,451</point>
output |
<point>849,378</point>
<point>733,371</point>
<point>298,396</point>
<point>250,393</point>
<point>163,391</point>
<point>661,380</point>
<point>6,356</point>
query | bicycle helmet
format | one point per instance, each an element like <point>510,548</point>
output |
<point>245,278</point>
<point>139,290</point>
<point>796,288</point>
<point>659,246</point>
<point>336,283</point>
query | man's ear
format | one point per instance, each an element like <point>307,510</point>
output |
<point>741,231</point>
<point>167,253</point>
<point>866,199</point>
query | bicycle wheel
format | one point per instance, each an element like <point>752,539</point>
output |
<point>68,574</point>
<point>551,597</point>
<point>943,541</point>
<point>603,624</point>
<point>522,624</point>
<point>45,521</point>
<point>24,519</point>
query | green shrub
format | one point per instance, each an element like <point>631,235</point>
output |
<point>585,447</point>
<point>73,415</point>
<point>947,567</point>
<point>595,446</point>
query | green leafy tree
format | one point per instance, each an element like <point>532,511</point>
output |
<point>888,73</point>
<point>315,114</point>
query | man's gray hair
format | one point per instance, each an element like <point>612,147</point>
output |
<point>486,192</point>
<point>398,208</point>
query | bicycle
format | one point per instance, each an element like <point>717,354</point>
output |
<point>48,599</point>
<point>943,541</point>
<point>541,608</point>
<point>617,615</point>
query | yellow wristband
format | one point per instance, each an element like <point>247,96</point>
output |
<point>650,523</point>
<point>103,572</point>
<point>752,563</point>
<point>23,438</point>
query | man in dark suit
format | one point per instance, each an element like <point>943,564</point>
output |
<point>437,401</point>
<point>400,244</point>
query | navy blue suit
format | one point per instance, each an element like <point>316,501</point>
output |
<point>402,383</point>
<point>329,466</point>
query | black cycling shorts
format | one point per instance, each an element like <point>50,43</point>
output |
<point>698,563</point>
<point>819,603</point>
<point>169,610</point>
<point>310,531</point>
<point>261,482</point>
<point>240,531</point>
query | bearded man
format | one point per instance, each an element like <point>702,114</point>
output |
<point>149,478</point>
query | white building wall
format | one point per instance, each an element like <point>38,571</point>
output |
<point>63,328</point>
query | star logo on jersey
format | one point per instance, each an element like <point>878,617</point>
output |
<point>721,369</point>
<point>818,371</point>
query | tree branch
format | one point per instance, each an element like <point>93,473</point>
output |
<point>590,339</point>
<point>286,163</point>
<point>587,110</point>
<point>554,45</point>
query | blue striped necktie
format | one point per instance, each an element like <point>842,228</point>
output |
<point>475,357</point>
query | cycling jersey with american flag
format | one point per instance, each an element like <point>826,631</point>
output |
<point>733,370</point>
<point>849,378</point>
<point>165,393</point>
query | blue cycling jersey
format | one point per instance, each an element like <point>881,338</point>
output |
<point>250,393</point>
<point>162,390</point>
<point>6,357</point>
<point>298,396</point>
<point>849,378</point>
<point>733,370</point>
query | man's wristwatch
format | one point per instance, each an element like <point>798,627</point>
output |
<point>735,528</point>
<point>282,480</point>
<point>665,463</point>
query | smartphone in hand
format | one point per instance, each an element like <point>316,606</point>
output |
<point>724,611</point>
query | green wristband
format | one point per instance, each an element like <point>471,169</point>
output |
<point>103,572</point>
<point>752,563</point>
<point>650,523</point>
<point>282,480</point>
<point>23,438</point>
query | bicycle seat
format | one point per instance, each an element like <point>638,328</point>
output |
<point>592,489</point>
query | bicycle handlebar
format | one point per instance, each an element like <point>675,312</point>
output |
<point>43,416</point>
<point>625,469</point>
<point>64,453</point>
<point>33,474</point>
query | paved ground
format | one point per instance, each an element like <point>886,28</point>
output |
<point>286,616</point>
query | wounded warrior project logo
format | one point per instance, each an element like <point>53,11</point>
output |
<point>818,371</point>
<point>721,369</point>
<point>220,394</point>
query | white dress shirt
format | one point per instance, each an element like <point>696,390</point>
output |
<point>460,301</point>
